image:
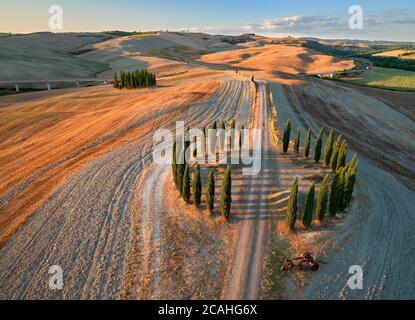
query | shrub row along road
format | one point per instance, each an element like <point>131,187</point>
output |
<point>253,211</point>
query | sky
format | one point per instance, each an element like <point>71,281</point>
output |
<point>381,19</point>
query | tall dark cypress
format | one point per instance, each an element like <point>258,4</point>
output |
<point>291,215</point>
<point>115,82</point>
<point>226,198</point>
<point>309,207</point>
<point>174,162</point>
<point>186,183</point>
<point>210,191</point>
<point>328,149</point>
<point>307,143</point>
<point>297,141</point>
<point>286,136</point>
<point>317,148</point>
<point>335,155</point>
<point>322,198</point>
<point>196,187</point>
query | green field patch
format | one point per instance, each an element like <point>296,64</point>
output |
<point>385,78</point>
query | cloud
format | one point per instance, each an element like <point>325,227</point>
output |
<point>374,23</point>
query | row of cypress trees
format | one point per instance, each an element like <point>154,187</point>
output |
<point>332,197</point>
<point>191,187</point>
<point>134,79</point>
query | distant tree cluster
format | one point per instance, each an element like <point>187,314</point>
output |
<point>134,79</point>
<point>334,196</point>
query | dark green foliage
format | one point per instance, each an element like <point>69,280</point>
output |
<point>136,79</point>
<point>210,191</point>
<point>341,159</point>
<point>122,80</point>
<point>226,198</point>
<point>328,149</point>
<point>322,198</point>
<point>233,124</point>
<point>222,124</point>
<point>180,172</point>
<point>307,143</point>
<point>309,206</point>
<point>196,187</point>
<point>115,82</point>
<point>214,125</point>
<point>241,137</point>
<point>186,183</point>
<point>319,143</point>
<point>174,162</point>
<point>297,141</point>
<point>348,182</point>
<point>291,215</point>
<point>335,155</point>
<point>286,136</point>
<point>336,193</point>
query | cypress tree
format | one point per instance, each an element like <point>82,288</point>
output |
<point>291,215</point>
<point>122,79</point>
<point>307,143</point>
<point>222,135</point>
<point>322,198</point>
<point>174,163</point>
<point>328,149</point>
<point>335,155</point>
<point>349,181</point>
<point>286,136</point>
<point>317,149</point>
<point>196,187</point>
<point>210,191</point>
<point>233,124</point>
<point>241,135</point>
<point>297,141</point>
<point>222,124</point>
<point>309,206</point>
<point>186,183</point>
<point>115,82</point>
<point>226,198</point>
<point>341,159</point>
